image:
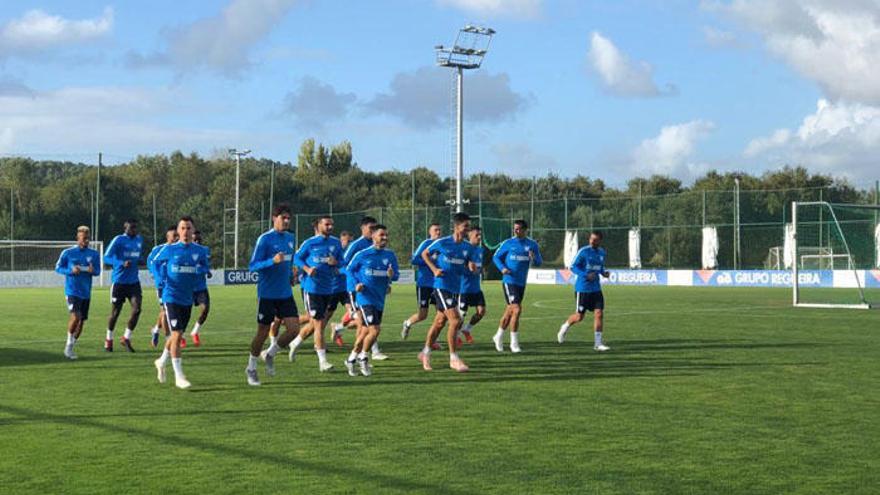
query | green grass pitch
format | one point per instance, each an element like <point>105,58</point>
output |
<point>705,391</point>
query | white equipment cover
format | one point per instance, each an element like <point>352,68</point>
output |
<point>710,248</point>
<point>877,246</point>
<point>635,248</point>
<point>788,254</point>
<point>571,247</point>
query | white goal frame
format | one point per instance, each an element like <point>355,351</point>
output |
<point>12,245</point>
<point>795,285</point>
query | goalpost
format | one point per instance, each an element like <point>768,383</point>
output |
<point>840,242</point>
<point>40,256</point>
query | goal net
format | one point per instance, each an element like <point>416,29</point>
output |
<point>38,256</point>
<point>835,245</point>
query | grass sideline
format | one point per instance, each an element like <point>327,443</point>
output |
<point>705,391</point>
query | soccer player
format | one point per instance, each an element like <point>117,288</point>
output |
<point>318,259</point>
<point>180,265</point>
<point>513,259</point>
<point>373,270</point>
<point>170,238</point>
<point>447,257</point>
<point>123,254</point>
<point>78,265</point>
<point>341,296</point>
<point>201,296</point>
<point>471,292</point>
<point>588,265</point>
<point>361,243</point>
<point>424,281</point>
<point>272,259</point>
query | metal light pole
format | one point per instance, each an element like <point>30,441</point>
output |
<point>238,155</point>
<point>471,45</point>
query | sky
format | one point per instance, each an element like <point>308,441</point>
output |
<point>606,89</point>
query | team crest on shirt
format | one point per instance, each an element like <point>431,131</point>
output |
<point>88,259</point>
<point>290,245</point>
<point>195,256</point>
<point>385,261</point>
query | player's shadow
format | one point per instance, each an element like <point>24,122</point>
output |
<point>707,344</point>
<point>22,357</point>
<point>284,461</point>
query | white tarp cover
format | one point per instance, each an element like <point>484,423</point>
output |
<point>788,247</point>
<point>877,246</point>
<point>710,248</point>
<point>635,248</point>
<point>571,246</point>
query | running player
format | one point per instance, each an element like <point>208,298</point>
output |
<point>124,254</point>
<point>447,258</point>
<point>318,259</point>
<point>341,296</point>
<point>78,265</point>
<point>201,296</point>
<point>513,259</point>
<point>362,242</point>
<point>471,292</point>
<point>424,281</point>
<point>588,265</point>
<point>170,238</point>
<point>272,259</point>
<point>180,265</point>
<point>373,269</point>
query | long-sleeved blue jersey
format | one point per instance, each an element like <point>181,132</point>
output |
<point>452,258</point>
<point>151,265</point>
<point>515,254</point>
<point>121,249</point>
<point>316,253</point>
<point>180,266</point>
<point>274,282</point>
<point>424,275</point>
<point>78,285</point>
<point>202,284</point>
<point>354,247</point>
<point>587,261</point>
<point>370,267</point>
<point>470,282</point>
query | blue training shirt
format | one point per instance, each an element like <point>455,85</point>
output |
<point>424,275</point>
<point>370,267</point>
<point>316,253</point>
<point>513,254</point>
<point>588,260</point>
<point>151,266</point>
<point>78,285</point>
<point>452,258</point>
<point>202,284</point>
<point>181,265</point>
<point>121,249</point>
<point>274,282</point>
<point>470,282</point>
<point>354,247</point>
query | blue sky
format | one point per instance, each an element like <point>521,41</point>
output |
<point>604,89</point>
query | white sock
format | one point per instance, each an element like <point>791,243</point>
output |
<point>338,328</point>
<point>273,340</point>
<point>155,329</point>
<point>597,338</point>
<point>407,324</point>
<point>500,333</point>
<point>127,333</point>
<point>297,341</point>
<point>322,355</point>
<point>252,363</point>
<point>163,359</point>
<point>352,356</point>
<point>375,349</point>
<point>466,328</point>
<point>363,355</point>
<point>453,356</point>
<point>426,350</point>
<point>564,327</point>
<point>109,334</point>
<point>273,349</point>
<point>178,367</point>
<point>195,330</point>
<point>514,338</point>
<point>71,340</point>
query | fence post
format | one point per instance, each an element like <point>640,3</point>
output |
<point>412,212</point>
<point>532,209</point>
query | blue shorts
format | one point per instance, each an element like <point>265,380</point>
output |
<point>371,314</point>
<point>514,294</point>
<point>589,301</point>
<point>269,309</point>
<point>465,301</point>
<point>445,300</point>
<point>79,307</point>
<point>177,316</point>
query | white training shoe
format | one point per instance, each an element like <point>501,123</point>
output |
<point>499,342</point>
<point>380,356</point>
<point>325,366</point>
<point>252,378</point>
<point>160,371</point>
<point>270,364</point>
<point>601,348</point>
<point>514,348</point>
<point>182,382</point>
<point>365,367</point>
<point>291,355</point>
<point>404,331</point>
<point>349,365</point>
<point>69,354</point>
<point>560,337</point>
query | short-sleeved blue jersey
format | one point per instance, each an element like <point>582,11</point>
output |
<point>316,253</point>
<point>121,249</point>
<point>274,281</point>
<point>452,258</point>
<point>79,285</point>
<point>587,261</point>
<point>516,255</point>
<point>181,265</point>
<point>370,267</point>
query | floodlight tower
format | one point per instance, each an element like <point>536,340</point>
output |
<point>467,52</point>
<point>238,154</point>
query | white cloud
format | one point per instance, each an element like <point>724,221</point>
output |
<point>314,104</point>
<point>520,159</point>
<point>523,9</point>
<point>222,43</point>
<point>720,38</point>
<point>618,74</point>
<point>37,31</point>
<point>6,139</point>
<point>422,98</point>
<point>839,138</point>
<point>833,42</point>
<point>671,152</point>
